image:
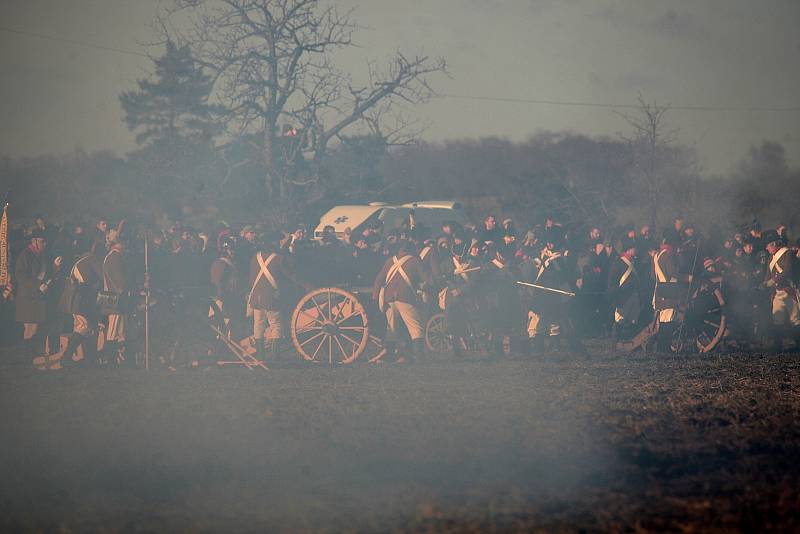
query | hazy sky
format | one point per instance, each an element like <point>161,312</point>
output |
<point>56,96</point>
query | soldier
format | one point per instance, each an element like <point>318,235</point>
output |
<point>459,290</point>
<point>115,282</point>
<point>666,296</point>
<point>32,276</point>
<point>395,289</point>
<point>623,283</point>
<point>546,313</point>
<point>782,277</point>
<point>270,276</point>
<point>225,284</point>
<point>502,311</point>
<point>79,299</point>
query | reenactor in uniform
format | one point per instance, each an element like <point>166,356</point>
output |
<point>79,299</point>
<point>547,311</point>
<point>502,311</point>
<point>226,286</point>
<point>115,281</point>
<point>623,284</point>
<point>395,289</point>
<point>459,290</point>
<point>32,276</point>
<point>271,276</point>
<point>782,277</point>
<point>667,293</point>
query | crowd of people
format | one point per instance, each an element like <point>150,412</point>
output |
<point>525,289</point>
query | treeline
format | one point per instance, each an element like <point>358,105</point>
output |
<point>579,178</point>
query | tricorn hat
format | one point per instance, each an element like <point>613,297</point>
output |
<point>770,236</point>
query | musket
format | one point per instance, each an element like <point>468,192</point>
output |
<point>468,270</point>
<point>545,288</point>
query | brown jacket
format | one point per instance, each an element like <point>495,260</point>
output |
<point>397,289</point>
<point>263,295</point>
<point>782,271</point>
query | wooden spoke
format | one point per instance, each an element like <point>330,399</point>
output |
<point>350,339</point>
<point>341,348</point>
<point>355,313</point>
<point>345,319</point>
<point>316,351</point>
<point>312,338</point>
<point>319,310</point>
<point>316,320</point>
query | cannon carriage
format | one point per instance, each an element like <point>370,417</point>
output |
<point>702,321</point>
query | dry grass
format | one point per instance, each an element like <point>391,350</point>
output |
<point>604,443</point>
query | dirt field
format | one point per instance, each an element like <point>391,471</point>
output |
<point>564,443</point>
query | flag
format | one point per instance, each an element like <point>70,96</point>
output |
<point>4,279</point>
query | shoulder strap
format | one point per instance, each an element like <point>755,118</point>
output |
<point>107,283</point>
<point>628,271</point>
<point>264,266</point>
<point>397,268</point>
<point>659,273</point>
<point>75,272</point>
<point>263,271</point>
<point>773,264</point>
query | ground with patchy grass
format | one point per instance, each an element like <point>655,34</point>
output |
<point>606,442</point>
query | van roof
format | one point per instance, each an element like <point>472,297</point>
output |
<point>346,216</point>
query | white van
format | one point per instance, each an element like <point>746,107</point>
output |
<point>430,213</point>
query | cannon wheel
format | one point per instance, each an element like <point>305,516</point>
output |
<point>704,322</point>
<point>436,338</point>
<point>330,325</point>
<point>714,323</point>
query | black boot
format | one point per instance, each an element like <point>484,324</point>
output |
<point>664,338</point>
<point>616,335</point>
<point>458,349</point>
<point>536,346</point>
<point>261,350</point>
<point>73,342</point>
<point>524,347</point>
<point>111,353</point>
<point>391,351</point>
<point>496,351</point>
<point>418,348</point>
<point>89,344</point>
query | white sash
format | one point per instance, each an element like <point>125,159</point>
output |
<point>263,271</point>
<point>76,274</point>
<point>424,253</point>
<point>627,272</point>
<point>107,283</point>
<point>773,264</point>
<point>659,273</point>
<point>397,268</point>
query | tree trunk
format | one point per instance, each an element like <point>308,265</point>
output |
<point>269,162</point>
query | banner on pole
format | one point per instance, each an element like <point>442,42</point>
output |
<point>4,277</point>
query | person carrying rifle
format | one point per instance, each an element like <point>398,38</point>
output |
<point>782,277</point>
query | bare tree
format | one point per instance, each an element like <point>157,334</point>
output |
<point>272,64</point>
<point>652,147</point>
